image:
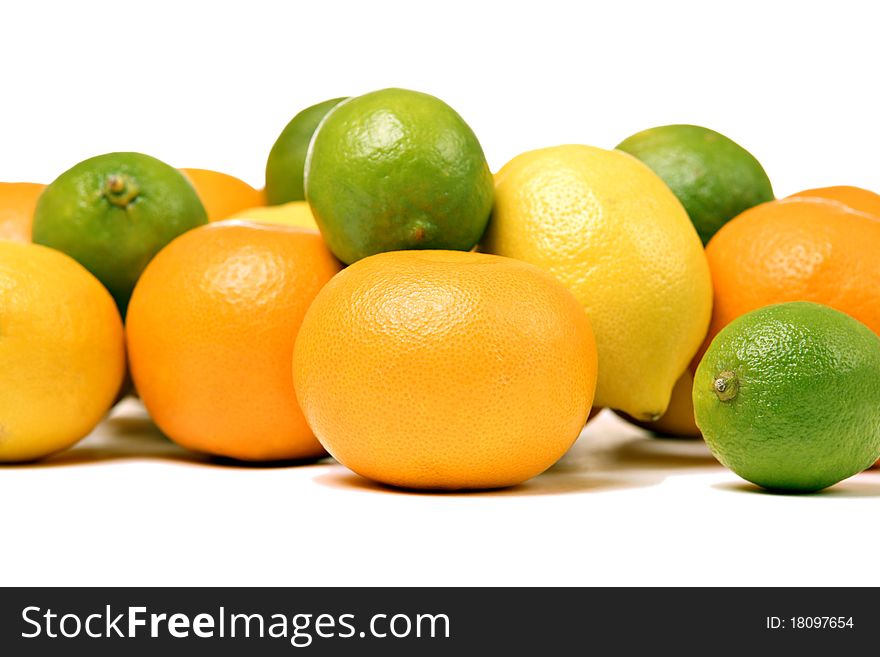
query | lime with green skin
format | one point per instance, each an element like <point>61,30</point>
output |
<point>394,170</point>
<point>284,168</point>
<point>112,213</point>
<point>714,177</point>
<point>788,396</point>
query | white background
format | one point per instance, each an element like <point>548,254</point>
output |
<point>210,84</point>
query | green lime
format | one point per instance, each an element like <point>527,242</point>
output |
<point>113,213</point>
<point>788,396</point>
<point>397,169</point>
<point>284,168</point>
<point>714,177</point>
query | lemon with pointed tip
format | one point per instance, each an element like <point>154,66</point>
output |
<point>612,231</point>
<point>678,420</point>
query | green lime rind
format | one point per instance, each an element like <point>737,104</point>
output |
<point>286,163</point>
<point>394,170</point>
<point>714,177</point>
<point>112,213</point>
<point>803,409</point>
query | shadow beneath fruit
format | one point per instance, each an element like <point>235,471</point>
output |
<point>138,429</point>
<point>225,462</point>
<point>133,451</point>
<point>122,438</point>
<point>866,484</point>
<point>610,444</point>
<point>662,454</point>
<point>754,489</point>
<point>87,455</point>
<point>549,483</point>
<point>137,438</point>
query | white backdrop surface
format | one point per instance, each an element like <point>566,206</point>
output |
<point>210,84</point>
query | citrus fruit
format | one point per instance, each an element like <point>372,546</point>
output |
<point>788,396</point>
<point>211,329</point>
<point>611,231</point>
<point>284,168</point>
<point>714,177</point>
<point>802,249</point>
<point>856,198</point>
<point>221,194</point>
<point>445,369</point>
<point>295,213</point>
<point>62,354</point>
<point>397,169</point>
<point>678,420</point>
<point>113,213</point>
<point>17,203</point>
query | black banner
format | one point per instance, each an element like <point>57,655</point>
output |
<point>413,621</point>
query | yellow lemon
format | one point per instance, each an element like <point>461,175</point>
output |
<point>612,231</point>
<point>678,421</point>
<point>62,351</point>
<point>295,213</point>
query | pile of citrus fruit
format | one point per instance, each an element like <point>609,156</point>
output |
<point>388,301</point>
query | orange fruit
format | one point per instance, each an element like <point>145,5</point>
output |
<point>445,369</point>
<point>211,328</point>
<point>223,195</point>
<point>798,249</point>
<point>17,204</point>
<point>855,197</point>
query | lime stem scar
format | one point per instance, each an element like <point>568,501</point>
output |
<point>726,385</point>
<point>121,190</point>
